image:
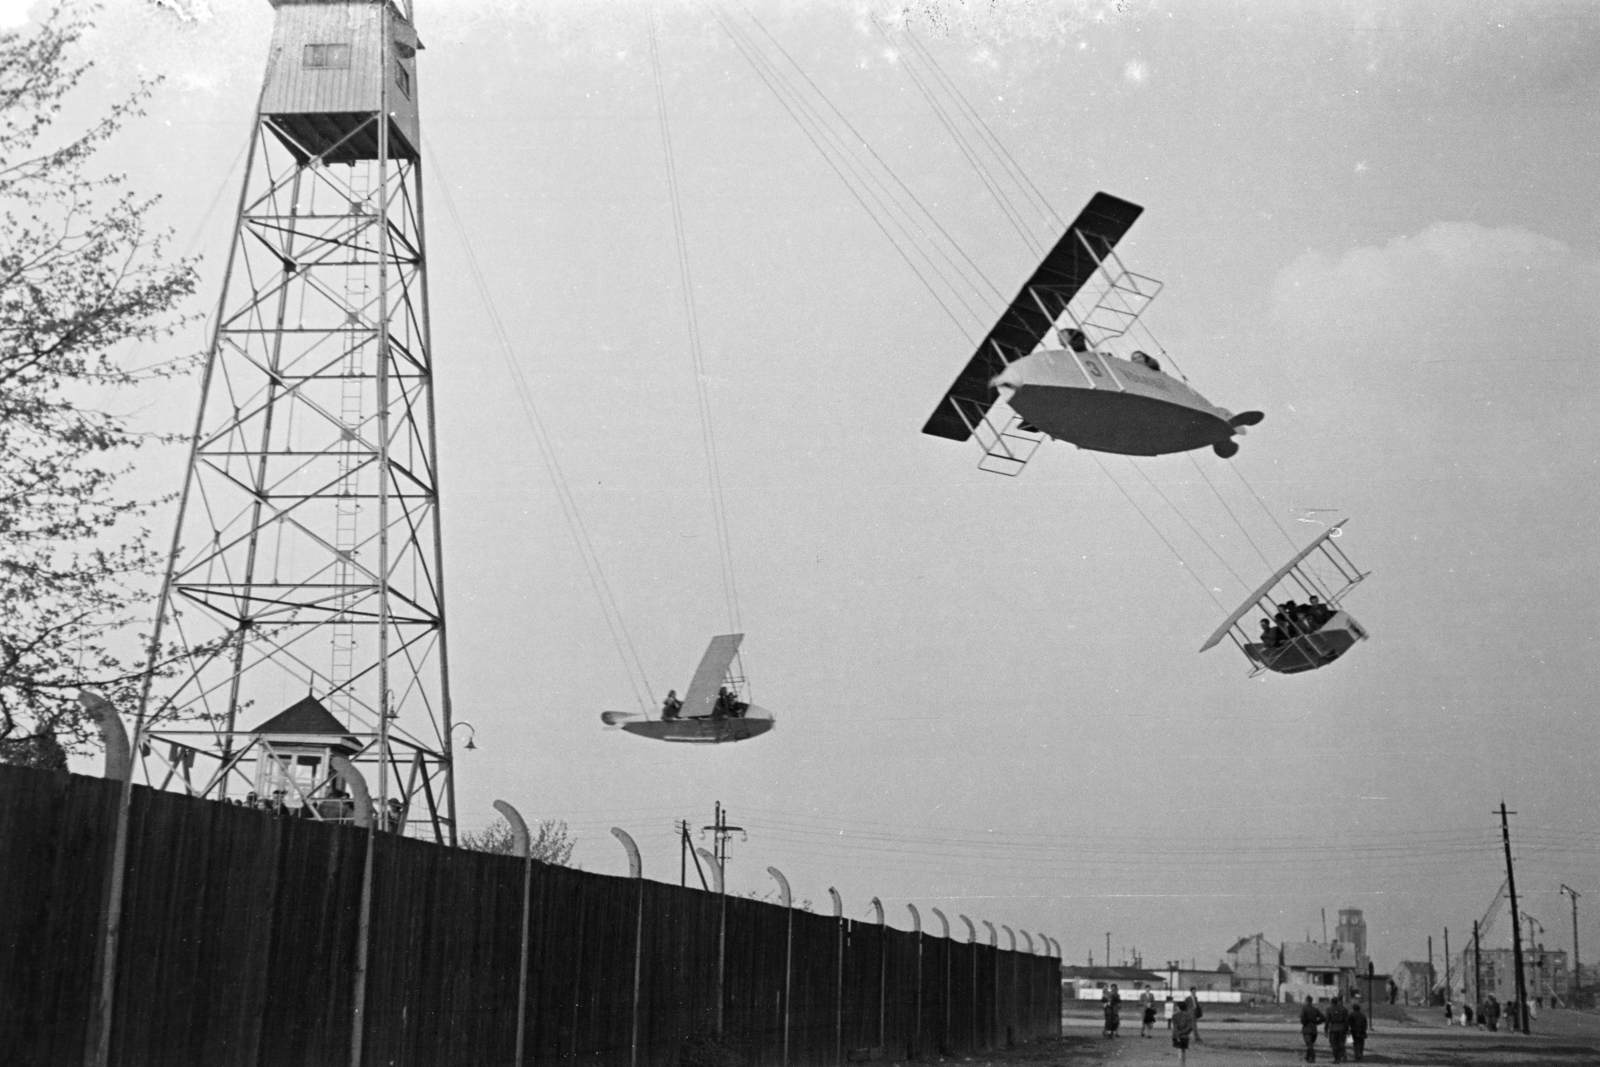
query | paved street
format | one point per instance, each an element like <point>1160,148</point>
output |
<point>1566,1038</point>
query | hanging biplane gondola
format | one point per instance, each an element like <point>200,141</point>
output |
<point>1297,637</point>
<point>1062,358</point>
<point>711,713</point>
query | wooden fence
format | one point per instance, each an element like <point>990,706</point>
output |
<point>240,938</point>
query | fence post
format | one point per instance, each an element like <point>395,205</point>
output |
<point>994,943</point>
<point>944,1036</point>
<point>636,872</point>
<point>521,847</point>
<point>1015,1000</point>
<point>883,964</point>
<point>98,1039</point>
<point>916,1032</point>
<point>972,939</point>
<point>838,985</point>
<point>722,931</point>
<point>788,955</point>
<point>362,798</point>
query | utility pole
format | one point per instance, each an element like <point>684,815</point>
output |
<point>1521,1021</point>
<point>1577,975</point>
<point>1448,991</point>
<point>722,831</point>
<point>1108,948</point>
<point>1477,968</point>
<point>1428,997</point>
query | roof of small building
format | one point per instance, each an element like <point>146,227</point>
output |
<point>1239,945</point>
<point>1313,955</point>
<point>306,716</point>
<point>1111,974</point>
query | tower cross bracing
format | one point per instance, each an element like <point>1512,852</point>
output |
<point>307,558</point>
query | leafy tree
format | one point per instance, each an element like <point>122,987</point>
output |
<point>82,278</point>
<point>551,841</point>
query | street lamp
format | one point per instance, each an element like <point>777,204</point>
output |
<point>472,733</point>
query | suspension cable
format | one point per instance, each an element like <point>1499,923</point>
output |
<point>930,216</point>
<point>708,439</point>
<point>840,162</point>
<point>1240,475</point>
<point>568,503</point>
<point>1209,547</point>
<point>1218,494</point>
<point>1157,530</point>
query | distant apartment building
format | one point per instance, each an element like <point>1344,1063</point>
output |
<point>1546,974</point>
<point>1254,962</point>
<point>1413,981</point>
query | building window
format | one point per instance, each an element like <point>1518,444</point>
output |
<point>327,55</point>
<point>402,80</point>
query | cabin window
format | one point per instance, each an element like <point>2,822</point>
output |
<point>402,80</point>
<point>327,55</point>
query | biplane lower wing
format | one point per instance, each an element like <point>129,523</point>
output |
<point>1071,263</point>
<point>701,699</point>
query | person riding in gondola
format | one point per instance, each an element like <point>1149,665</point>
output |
<point>1075,339</point>
<point>1145,360</point>
<point>670,706</point>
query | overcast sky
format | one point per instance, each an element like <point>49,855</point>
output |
<point>1376,223</point>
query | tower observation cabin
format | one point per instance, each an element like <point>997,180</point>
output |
<point>336,66</point>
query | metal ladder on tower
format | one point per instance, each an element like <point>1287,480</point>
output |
<point>347,521</point>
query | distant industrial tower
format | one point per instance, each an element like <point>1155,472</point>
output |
<point>307,560</point>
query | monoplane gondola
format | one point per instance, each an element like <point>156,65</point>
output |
<point>1296,637</point>
<point>711,713</point>
<point>1062,357</point>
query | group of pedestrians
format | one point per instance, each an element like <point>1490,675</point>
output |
<point>1339,1023</point>
<point>1182,1019</point>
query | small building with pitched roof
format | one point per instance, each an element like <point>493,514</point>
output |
<point>294,753</point>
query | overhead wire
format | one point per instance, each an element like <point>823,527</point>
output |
<point>708,438</point>
<point>610,611</point>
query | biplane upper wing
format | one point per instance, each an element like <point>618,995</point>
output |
<point>1266,587</point>
<point>1056,281</point>
<point>702,696</point>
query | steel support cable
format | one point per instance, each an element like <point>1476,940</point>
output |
<point>746,49</point>
<point>1038,200</point>
<point>845,162</point>
<point>598,582</point>
<point>1209,547</point>
<point>708,440</point>
<point>973,154</point>
<point>886,169</point>
<point>1240,475</point>
<point>1175,554</point>
<point>1218,494</point>
<point>962,143</point>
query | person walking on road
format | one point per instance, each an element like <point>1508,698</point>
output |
<point>1310,1024</point>
<point>1195,1012</point>
<point>1358,1028</point>
<point>1147,1012</point>
<point>1182,1030</point>
<point>1338,1028</point>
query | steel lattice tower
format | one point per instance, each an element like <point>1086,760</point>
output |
<point>307,558</point>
